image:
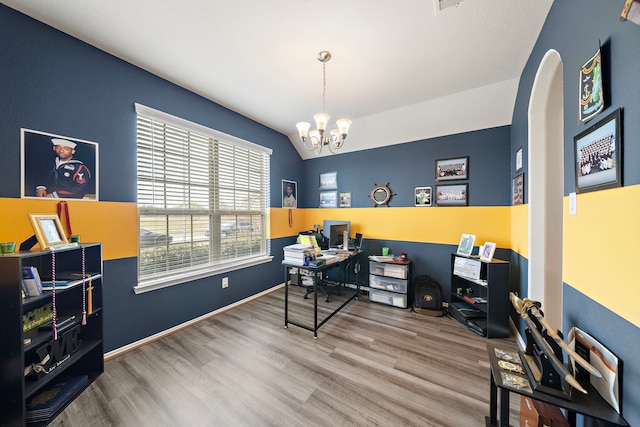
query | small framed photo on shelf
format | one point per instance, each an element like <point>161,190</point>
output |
<point>329,181</point>
<point>422,196</point>
<point>329,199</point>
<point>518,189</point>
<point>487,251</point>
<point>452,195</point>
<point>48,230</point>
<point>452,169</point>
<point>598,158</point>
<point>466,244</point>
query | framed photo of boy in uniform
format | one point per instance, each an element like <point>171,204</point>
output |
<point>59,167</point>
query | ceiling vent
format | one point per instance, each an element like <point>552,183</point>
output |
<point>443,4</point>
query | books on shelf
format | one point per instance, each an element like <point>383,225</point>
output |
<point>67,279</point>
<point>31,283</point>
<point>53,398</point>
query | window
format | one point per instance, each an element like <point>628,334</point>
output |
<point>202,201</point>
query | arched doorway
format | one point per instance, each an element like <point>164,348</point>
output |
<point>546,187</point>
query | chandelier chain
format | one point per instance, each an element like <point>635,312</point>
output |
<point>324,87</point>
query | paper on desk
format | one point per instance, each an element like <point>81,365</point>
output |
<point>601,359</point>
<point>380,258</point>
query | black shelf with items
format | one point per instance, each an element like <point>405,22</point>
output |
<point>485,285</point>
<point>32,361</point>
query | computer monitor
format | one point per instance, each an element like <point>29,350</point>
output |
<point>336,234</point>
<point>327,223</point>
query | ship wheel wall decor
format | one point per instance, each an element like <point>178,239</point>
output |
<point>380,195</point>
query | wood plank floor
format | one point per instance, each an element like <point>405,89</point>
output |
<point>372,364</point>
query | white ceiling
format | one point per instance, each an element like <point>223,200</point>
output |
<point>401,70</point>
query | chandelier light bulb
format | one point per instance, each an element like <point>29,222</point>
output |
<point>317,138</point>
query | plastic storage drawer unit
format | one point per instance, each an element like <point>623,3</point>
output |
<point>398,271</point>
<point>388,284</point>
<point>389,298</point>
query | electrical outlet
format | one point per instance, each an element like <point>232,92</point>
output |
<point>225,282</point>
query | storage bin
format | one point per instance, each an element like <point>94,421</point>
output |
<point>388,284</point>
<point>398,271</point>
<point>389,298</point>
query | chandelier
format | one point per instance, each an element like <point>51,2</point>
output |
<point>315,139</point>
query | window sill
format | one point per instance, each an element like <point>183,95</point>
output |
<point>178,279</point>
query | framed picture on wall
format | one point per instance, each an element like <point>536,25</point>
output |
<point>518,190</point>
<point>345,200</point>
<point>422,196</point>
<point>289,194</point>
<point>452,195</point>
<point>591,95</point>
<point>328,199</point>
<point>329,181</point>
<point>55,166</point>
<point>452,169</point>
<point>598,158</point>
<point>519,159</point>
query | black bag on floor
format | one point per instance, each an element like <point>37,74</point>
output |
<point>427,298</point>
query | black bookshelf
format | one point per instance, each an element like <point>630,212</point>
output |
<point>76,356</point>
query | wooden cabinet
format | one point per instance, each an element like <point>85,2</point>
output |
<point>75,357</point>
<point>389,282</point>
<point>486,287</point>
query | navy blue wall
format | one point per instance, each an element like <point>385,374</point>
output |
<point>54,83</point>
<point>575,30</point>
<point>409,165</point>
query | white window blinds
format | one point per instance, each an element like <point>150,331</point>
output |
<point>202,198</point>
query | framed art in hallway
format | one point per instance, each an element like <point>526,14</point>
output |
<point>452,195</point>
<point>598,158</point>
<point>591,101</point>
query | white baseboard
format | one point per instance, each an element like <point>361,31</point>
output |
<point>128,347</point>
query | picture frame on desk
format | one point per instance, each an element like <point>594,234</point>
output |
<point>487,251</point>
<point>48,230</point>
<point>466,244</point>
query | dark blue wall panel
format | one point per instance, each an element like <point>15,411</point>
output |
<point>54,83</point>
<point>410,165</point>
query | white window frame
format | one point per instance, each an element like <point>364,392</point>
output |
<point>214,267</point>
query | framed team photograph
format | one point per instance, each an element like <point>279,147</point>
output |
<point>328,199</point>
<point>329,181</point>
<point>452,195</point>
<point>422,196</point>
<point>452,169</point>
<point>598,158</point>
<point>59,167</point>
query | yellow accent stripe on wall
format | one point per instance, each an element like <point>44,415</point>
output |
<point>442,225</point>
<point>520,230</point>
<point>112,223</point>
<point>601,248</point>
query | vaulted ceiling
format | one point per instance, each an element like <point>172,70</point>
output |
<point>402,70</point>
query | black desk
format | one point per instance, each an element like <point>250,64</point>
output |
<point>352,259</point>
<point>590,405</point>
